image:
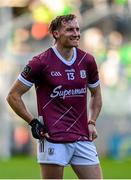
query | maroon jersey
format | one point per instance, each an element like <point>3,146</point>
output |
<point>61,89</point>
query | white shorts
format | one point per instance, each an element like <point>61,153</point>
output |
<point>77,153</point>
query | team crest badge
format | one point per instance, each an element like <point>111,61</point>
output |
<point>26,71</point>
<point>50,151</point>
<point>82,74</point>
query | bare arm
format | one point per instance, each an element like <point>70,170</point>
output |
<point>14,99</point>
<point>95,103</point>
<point>95,108</point>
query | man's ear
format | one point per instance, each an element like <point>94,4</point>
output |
<point>56,34</point>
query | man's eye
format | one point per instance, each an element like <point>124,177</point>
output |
<point>70,29</point>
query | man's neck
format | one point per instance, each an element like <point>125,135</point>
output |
<point>66,53</point>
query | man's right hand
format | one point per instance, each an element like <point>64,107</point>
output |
<point>37,129</point>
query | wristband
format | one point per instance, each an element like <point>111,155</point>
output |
<point>92,122</point>
<point>33,122</point>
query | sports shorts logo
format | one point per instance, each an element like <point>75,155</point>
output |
<point>55,73</point>
<point>82,74</point>
<point>50,151</point>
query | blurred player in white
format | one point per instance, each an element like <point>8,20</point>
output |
<point>61,76</point>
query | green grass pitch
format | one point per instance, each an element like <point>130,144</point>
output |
<point>24,167</point>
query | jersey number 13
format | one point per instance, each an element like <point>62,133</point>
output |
<point>70,76</point>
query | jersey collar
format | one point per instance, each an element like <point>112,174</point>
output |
<point>69,63</point>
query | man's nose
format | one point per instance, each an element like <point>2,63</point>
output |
<point>76,32</point>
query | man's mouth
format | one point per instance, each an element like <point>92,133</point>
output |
<point>75,38</point>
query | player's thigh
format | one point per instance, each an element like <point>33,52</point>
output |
<point>88,171</point>
<point>51,171</point>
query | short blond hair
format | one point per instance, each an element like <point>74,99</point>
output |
<point>56,23</point>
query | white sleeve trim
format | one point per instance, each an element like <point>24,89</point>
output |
<point>24,81</point>
<point>94,85</point>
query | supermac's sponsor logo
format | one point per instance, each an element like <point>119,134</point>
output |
<point>55,73</point>
<point>57,92</point>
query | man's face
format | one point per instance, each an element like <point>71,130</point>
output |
<point>69,34</point>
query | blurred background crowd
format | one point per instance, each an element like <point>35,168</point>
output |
<point>105,32</point>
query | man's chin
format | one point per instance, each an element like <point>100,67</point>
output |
<point>75,44</point>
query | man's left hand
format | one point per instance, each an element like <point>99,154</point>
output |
<point>92,132</point>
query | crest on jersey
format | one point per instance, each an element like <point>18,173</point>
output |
<point>82,74</point>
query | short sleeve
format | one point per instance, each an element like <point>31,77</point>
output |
<point>31,71</point>
<point>93,77</point>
